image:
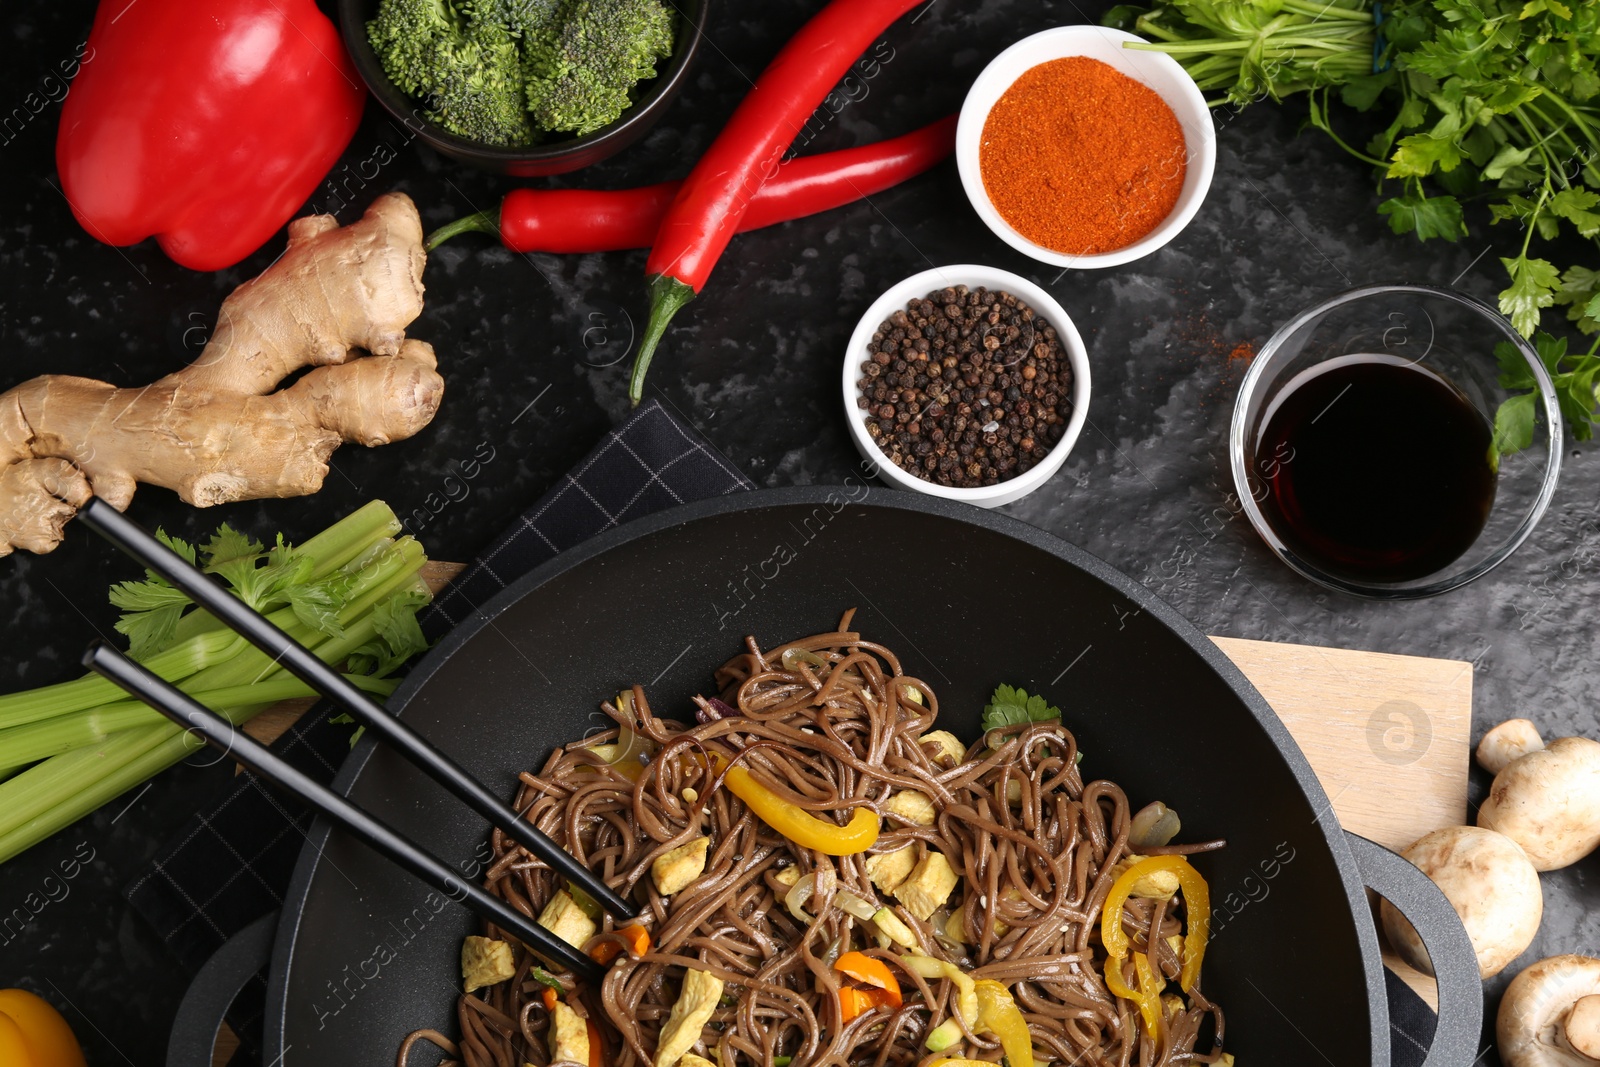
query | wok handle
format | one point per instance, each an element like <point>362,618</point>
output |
<point>1455,965</point>
<point>215,985</point>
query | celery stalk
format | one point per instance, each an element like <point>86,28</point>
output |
<point>201,640</point>
<point>22,745</point>
<point>117,744</point>
<point>91,691</point>
<point>56,793</point>
<point>90,777</point>
<point>338,545</point>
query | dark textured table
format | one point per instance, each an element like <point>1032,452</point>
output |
<point>754,364</point>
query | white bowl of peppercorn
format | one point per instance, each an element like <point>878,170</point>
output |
<point>1080,151</point>
<point>968,383</point>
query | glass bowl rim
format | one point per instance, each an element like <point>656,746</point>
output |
<point>1440,582</point>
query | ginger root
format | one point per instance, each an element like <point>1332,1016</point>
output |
<point>220,429</point>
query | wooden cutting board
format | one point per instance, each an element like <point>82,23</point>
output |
<point>1388,736</point>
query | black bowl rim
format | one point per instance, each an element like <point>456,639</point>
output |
<point>294,898</point>
<point>604,141</point>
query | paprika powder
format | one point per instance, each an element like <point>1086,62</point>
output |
<point>1080,158</point>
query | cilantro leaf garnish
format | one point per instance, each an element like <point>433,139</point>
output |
<point>1011,707</point>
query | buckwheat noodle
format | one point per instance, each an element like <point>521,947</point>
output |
<point>826,722</point>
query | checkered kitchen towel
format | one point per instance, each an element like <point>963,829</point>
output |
<point>232,862</point>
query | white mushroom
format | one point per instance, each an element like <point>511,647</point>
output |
<point>1511,740</point>
<point>1549,802</point>
<point>1550,1015</point>
<point>1490,883</point>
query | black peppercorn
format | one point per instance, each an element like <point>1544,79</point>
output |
<point>945,383</point>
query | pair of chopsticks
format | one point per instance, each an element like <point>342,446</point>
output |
<point>299,661</point>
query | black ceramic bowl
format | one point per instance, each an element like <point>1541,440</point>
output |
<point>555,156</point>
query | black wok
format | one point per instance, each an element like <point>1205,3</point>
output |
<point>364,954</point>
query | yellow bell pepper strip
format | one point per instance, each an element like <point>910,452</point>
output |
<point>871,971</point>
<point>954,1061</point>
<point>966,989</point>
<point>33,1033</point>
<point>798,824</point>
<point>999,1015</point>
<point>1197,909</point>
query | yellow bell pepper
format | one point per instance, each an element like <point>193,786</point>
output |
<point>999,1015</point>
<point>966,988</point>
<point>798,824</point>
<point>33,1034</point>
<point>1197,902</point>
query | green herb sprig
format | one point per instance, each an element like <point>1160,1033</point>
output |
<point>1490,99</point>
<point>1577,381</point>
<point>1014,707</point>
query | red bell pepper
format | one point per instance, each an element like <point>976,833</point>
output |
<point>204,124</point>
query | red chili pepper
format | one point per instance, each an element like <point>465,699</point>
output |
<point>592,220</point>
<point>205,126</point>
<point>713,199</point>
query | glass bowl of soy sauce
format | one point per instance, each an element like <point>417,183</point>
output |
<point>1364,445</point>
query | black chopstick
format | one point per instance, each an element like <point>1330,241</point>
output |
<point>299,661</point>
<point>189,713</point>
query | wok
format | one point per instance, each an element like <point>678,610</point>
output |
<point>364,954</point>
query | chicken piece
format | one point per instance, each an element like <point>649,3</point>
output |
<point>701,992</point>
<point>485,962</point>
<point>569,1036</point>
<point>566,920</point>
<point>912,806</point>
<point>787,876</point>
<point>930,885</point>
<point>951,750</point>
<point>888,869</point>
<point>674,869</point>
<point>1157,885</point>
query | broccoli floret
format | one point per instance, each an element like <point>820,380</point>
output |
<point>406,33</point>
<point>477,89</point>
<point>482,66</point>
<point>468,74</point>
<point>583,77</point>
<point>520,18</point>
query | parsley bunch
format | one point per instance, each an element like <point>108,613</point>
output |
<point>1489,99</point>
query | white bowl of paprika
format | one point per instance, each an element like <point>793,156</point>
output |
<point>1082,153</point>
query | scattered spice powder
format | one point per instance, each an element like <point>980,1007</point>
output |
<point>1080,158</point>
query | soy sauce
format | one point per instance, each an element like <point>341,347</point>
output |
<point>1375,469</point>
